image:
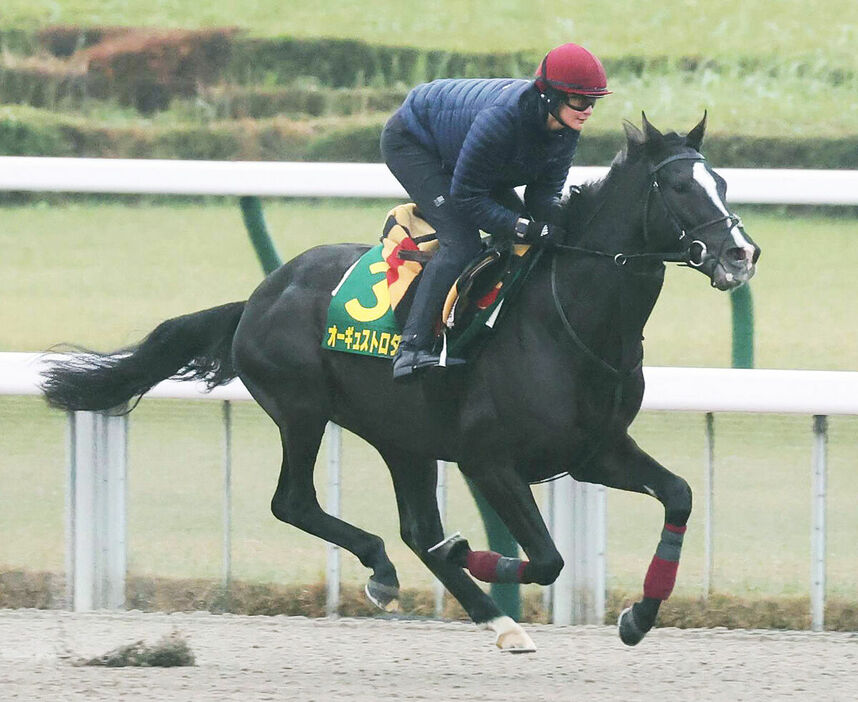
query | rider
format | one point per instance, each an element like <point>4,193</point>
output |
<point>460,146</point>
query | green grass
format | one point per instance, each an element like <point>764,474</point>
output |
<point>106,274</point>
<point>673,27</point>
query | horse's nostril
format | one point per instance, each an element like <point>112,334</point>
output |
<point>737,254</point>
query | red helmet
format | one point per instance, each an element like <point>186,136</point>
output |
<point>572,69</point>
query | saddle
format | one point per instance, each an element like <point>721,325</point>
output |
<point>472,306</point>
<point>408,242</point>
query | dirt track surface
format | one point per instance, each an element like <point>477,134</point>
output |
<point>293,658</point>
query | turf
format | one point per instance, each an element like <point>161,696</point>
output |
<point>104,275</point>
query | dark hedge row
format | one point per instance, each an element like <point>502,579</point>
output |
<point>241,102</point>
<point>350,63</point>
<point>345,63</point>
<point>281,139</point>
<point>18,41</point>
<point>47,87</point>
<point>599,149</point>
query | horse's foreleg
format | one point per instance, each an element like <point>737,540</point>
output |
<point>628,468</point>
<point>414,480</point>
<point>295,503</point>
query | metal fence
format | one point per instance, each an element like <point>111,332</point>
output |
<point>168,177</point>
<point>576,512</point>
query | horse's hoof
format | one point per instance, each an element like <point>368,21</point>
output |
<point>385,597</point>
<point>630,633</point>
<point>511,638</point>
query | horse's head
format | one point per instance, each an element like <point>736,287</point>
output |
<point>685,211</point>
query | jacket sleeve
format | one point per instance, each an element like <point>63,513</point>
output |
<point>489,144</point>
<point>542,195</point>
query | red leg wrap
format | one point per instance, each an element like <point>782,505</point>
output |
<point>482,565</point>
<point>661,575</point>
<point>660,578</point>
<point>491,567</point>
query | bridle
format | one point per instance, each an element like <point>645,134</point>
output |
<point>695,250</point>
<point>620,259</point>
<point>684,235</point>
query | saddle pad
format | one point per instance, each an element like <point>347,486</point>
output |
<point>405,231</point>
<point>360,317</point>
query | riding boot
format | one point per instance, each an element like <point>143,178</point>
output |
<point>415,349</point>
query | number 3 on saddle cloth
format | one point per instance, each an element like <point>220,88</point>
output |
<point>371,302</point>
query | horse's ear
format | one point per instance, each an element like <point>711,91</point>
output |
<point>694,139</point>
<point>651,133</point>
<point>634,136</point>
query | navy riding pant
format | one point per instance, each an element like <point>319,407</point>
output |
<point>427,181</point>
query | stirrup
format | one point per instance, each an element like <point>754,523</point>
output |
<point>409,362</point>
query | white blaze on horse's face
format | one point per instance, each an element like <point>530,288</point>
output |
<point>707,182</point>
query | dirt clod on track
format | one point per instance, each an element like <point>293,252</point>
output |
<point>294,658</point>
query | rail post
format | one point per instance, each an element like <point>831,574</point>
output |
<point>227,496</point>
<point>441,499</point>
<point>742,306</point>
<point>817,537</point>
<point>578,525</point>
<point>254,220</point>
<point>334,444</point>
<point>96,557</point>
<point>507,596</point>
<point>709,505</point>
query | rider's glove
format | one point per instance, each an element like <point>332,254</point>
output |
<point>544,234</point>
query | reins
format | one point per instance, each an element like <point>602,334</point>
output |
<point>579,343</point>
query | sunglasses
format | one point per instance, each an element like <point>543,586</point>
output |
<point>580,103</point>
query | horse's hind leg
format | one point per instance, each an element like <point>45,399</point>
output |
<point>627,467</point>
<point>295,500</point>
<point>414,481</point>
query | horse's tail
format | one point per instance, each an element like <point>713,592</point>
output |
<point>194,346</point>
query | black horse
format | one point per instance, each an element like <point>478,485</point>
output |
<point>553,393</point>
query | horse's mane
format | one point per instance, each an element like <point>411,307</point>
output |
<point>592,193</point>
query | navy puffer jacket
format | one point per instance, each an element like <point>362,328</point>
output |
<point>491,134</point>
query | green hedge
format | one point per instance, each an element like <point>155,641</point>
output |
<point>49,87</point>
<point>351,63</point>
<point>39,133</point>
<point>348,63</point>
<point>18,41</point>
<point>341,63</point>
<point>241,102</point>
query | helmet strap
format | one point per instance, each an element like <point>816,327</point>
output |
<point>553,100</point>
